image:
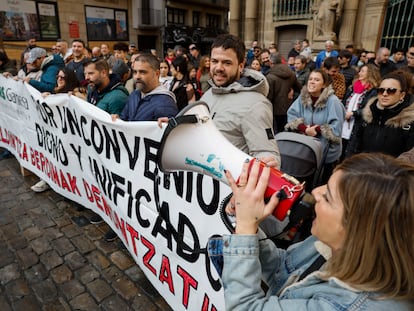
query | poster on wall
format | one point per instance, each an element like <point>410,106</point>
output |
<point>106,24</point>
<point>49,25</point>
<point>20,20</point>
<point>121,25</point>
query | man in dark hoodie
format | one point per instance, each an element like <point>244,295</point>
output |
<point>105,90</point>
<point>150,100</point>
<point>282,85</point>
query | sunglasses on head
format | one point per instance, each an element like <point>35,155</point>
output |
<point>390,90</point>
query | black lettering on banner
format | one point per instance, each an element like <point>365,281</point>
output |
<point>117,190</point>
<point>46,113</point>
<point>179,182</point>
<point>141,193</point>
<point>70,121</point>
<point>211,208</point>
<point>150,157</point>
<point>167,230</point>
<point>77,150</point>
<point>189,193</point>
<point>97,137</point>
<point>184,250</point>
<point>112,144</point>
<point>133,158</point>
<point>52,144</point>
<point>84,121</point>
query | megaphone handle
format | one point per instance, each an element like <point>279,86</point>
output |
<point>288,192</point>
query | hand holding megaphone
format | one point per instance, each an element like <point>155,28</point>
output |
<point>191,142</point>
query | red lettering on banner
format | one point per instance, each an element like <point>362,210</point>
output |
<point>148,255</point>
<point>73,184</point>
<point>189,281</point>
<point>24,155</point>
<point>88,191</point>
<point>165,273</point>
<point>206,303</point>
<point>134,236</point>
<point>63,181</point>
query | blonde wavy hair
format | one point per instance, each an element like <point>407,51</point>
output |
<point>378,252</point>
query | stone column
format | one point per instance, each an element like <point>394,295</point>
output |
<point>250,23</point>
<point>234,21</point>
<point>348,21</point>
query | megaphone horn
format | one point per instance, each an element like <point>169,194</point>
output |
<point>191,142</point>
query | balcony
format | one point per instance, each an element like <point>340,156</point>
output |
<point>292,9</point>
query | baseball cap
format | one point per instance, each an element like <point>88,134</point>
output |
<point>132,45</point>
<point>192,47</point>
<point>35,53</point>
<point>120,68</point>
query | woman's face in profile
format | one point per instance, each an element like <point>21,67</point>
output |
<point>329,209</point>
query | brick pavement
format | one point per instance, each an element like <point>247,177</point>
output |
<point>51,258</point>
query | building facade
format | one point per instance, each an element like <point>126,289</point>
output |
<point>367,24</point>
<point>151,24</point>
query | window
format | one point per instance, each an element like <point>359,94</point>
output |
<point>175,16</point>
<point>398,25</point>
<point>196,18</point>
<point>213,20</point>
<point>292,9</point>
<point>146,12</point>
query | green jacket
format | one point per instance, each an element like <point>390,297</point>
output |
<point>112,99</point>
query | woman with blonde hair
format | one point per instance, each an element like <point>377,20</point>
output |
<point>203,73</point>
<point>360,256</point>
<point>363,88</point>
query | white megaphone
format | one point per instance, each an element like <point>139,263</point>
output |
<point>191,142</point>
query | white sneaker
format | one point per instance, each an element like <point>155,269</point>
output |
<point>40,186</point>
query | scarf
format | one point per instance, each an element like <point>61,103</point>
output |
<point>359,87</point>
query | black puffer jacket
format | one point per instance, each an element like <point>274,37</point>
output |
<point>389,131</point>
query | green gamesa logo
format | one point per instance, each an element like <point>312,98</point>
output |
<point>2,95</point>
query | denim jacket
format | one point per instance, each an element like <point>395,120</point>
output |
<point>248,260</point>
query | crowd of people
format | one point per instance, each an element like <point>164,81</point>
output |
<point>360,108</point>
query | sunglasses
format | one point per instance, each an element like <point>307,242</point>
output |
<point>390,90</point>
<point>60,77</point>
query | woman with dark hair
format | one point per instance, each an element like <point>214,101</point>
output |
<point>66,81</point>
<point>387,120</point>
<point>180,86</point>
<point>7,66</point>
<point>360,255</point>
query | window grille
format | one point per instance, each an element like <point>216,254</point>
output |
<point>398,28</point>
<point>292,9</point>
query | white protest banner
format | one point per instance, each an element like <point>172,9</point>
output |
<point>164,220</point>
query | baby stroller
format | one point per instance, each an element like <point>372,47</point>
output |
<point>301,157</point>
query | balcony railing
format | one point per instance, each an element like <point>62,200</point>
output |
<point>292,9</point>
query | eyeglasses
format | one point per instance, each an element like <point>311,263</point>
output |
<point>60,77</point>
<point>390,90</point>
